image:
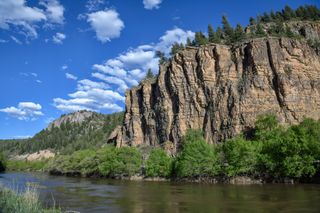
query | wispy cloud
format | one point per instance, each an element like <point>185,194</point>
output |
<point>58,38</point>
<point>151,4</point>
<point>70,76</point>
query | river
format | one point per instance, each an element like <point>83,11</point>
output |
<point>102,195</point>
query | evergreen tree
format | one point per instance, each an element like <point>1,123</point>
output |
<point>288,13</point>
<point>227,28</point>
<point>301,12</point>
<point>252,21</point>
<point>189,43</point>
<point>265,18</point>
<point>272,15</point>
<point>219,34</point>
<point>200,39</point>
<point>161,56</point>
<point>238,34</point>
<point>259,31</point>
<point>149,74</point>
<point>211,33</point>
<point>279,16</point>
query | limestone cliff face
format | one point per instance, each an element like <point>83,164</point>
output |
<point>221,90</point>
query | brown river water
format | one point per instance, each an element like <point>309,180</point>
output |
<point>102,195</point>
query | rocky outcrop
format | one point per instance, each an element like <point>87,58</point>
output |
<point>76,117</point>
<point>221,90</point>
<point>40,155</point>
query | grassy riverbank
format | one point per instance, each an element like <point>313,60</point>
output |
<point>27,202</point>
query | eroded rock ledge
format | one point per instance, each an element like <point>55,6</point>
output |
<point>221,90</point>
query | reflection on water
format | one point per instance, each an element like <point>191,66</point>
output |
<point>100,195</point>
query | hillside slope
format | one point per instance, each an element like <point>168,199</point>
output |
<point>70,132</point>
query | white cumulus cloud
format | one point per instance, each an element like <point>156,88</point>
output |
<point>113,77</point>
<point>54,11</point>
<point>16,14</point>
<point>58,38</point>
<point>24,111</point>
<point>106,23</point>
<point>151,4</point>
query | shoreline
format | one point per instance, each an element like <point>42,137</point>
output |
<point>236,180</point>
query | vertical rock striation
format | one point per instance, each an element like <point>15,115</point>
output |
<point>221,90</point>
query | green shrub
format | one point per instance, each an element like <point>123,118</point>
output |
<point>289,152</point>
<point>241,156</point>
<point>119,161</point>
<point>159,164</point>
<point>197,158</point>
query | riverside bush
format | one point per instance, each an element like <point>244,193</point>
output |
<point>240,156</point>
<point>124,161</point>
<point>291,152</point>
<point>159,164</point>
<point>197,158</point>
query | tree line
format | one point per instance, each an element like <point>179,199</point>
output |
<point>226,34</point>
<point>271,152</point>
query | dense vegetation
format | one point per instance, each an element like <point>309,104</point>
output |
<point>27,202</point>
<point>2,163</point>
<point>272,152</point>
<point>272,23</point>
<point>68,137</point>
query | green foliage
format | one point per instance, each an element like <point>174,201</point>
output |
<point>26,202</point>
<point>176,47</point>
<point>259,31</point>
<point>159,164</point>
<point>277,26</point>
<point>227,28</point>
<point>2,163</point>
<point>128,161</point>
<point>149,74</point>
<point>197,158</point>
<point>252,21</point>
<point>240,156</point>
<point>288,152</point>
<point>238,34</point>
<point>189,42</point>
<point>162,58</point>
<point>107,161</point>
<point>23,165</point>
<point>200,39</point>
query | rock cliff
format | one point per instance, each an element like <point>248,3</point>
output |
<point>221,90</point>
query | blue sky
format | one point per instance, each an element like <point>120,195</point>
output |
<point>58,56</point>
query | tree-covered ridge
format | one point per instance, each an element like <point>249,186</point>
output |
<point>68,137</point>
<point>226,34</point>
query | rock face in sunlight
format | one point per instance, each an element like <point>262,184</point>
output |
<point>76,117</point>
<point>221,90</point>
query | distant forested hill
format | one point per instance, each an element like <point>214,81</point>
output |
<point>75,131</point>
